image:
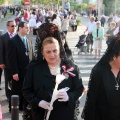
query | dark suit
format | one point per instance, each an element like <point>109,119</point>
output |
<point>18,62</point>
<point>4,60</point>
<point>0,76</point>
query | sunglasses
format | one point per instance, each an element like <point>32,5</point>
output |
<point>12,26</point>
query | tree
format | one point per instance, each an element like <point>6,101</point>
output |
<point>109,6</point>
<point>2,1</point>
<point>86,1</point>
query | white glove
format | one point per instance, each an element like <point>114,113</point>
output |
<point>45,105</point>
<point>62,95</point>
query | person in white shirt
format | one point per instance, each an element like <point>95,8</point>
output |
<point>89,39</point>
<point>65,25</point>
<point>56,20</point>
<point>32,21</point>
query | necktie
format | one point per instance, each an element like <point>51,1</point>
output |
<point>25,43</point>
<point>11,35</point>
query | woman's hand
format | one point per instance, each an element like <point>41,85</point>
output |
<point>45,105</point>
<point>62,96</point>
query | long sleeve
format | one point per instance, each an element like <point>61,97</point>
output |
<point>89,110</point>
<point>28,91</point>
<point>12,57</point>
<point>94,33</point>
<point>116,31</point>
<point>1,51</point>
<point>101,35</point>
<point>78,88</point>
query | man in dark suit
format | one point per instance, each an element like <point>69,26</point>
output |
<point>19,55</point>
<point>4,63</point>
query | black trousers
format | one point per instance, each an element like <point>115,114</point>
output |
<point>16,90</point>
<point>65,32</point>
<point>8,77</point>
<point>74,27</point>
<point>0,74</point>
<point>102,24</point>
<point>89,42</point>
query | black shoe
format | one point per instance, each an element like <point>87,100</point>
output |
<point>0,88</point>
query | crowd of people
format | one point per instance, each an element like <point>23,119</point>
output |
<point>33,75</point>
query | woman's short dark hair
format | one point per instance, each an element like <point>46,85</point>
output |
<point>65,16</point>
<point>33,13</point>
<point>54,17</point>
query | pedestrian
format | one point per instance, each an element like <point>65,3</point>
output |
<point>26,15</point>
<point>109,34</point>
<point>117,29</point>
<point>32,21</point>
<point>67,5</point>
<point>19,56</point>
<point>65,25</point>
<point>40,78</point>
<point>4,62</point>
<point>73,23</point>
<point>89,39</point>
<point>103,96</point>
<point>103,20</point>
<point>98,37</point>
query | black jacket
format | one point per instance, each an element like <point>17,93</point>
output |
<point>18,60</point>
<point>3,49</point>
<point>98,104</point>
<point>38,76</point>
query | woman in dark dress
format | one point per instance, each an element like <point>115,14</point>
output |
<point>41,74</point>
<point>0,78</point>
<point>103,97</point>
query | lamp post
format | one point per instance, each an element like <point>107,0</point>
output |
<point>63,4</point>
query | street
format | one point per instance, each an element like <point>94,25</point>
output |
<point>84,61</point>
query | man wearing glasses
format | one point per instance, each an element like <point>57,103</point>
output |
<point>4,63</point>
<point>19,55</point>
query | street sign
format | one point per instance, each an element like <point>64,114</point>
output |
<point>26,2</point>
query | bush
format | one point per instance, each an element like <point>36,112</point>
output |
<point>78,22</point>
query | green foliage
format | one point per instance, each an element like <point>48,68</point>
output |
<point>109,6</point>
<point>86,1</point>
<point>22,2</point>
<point>2,1</point>
<point>78,22</point>
<point>106,2</point>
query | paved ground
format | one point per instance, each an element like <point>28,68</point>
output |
<point>84,61</point>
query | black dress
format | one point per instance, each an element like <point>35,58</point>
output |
<point>38,76</point>
<point>103,100</point>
